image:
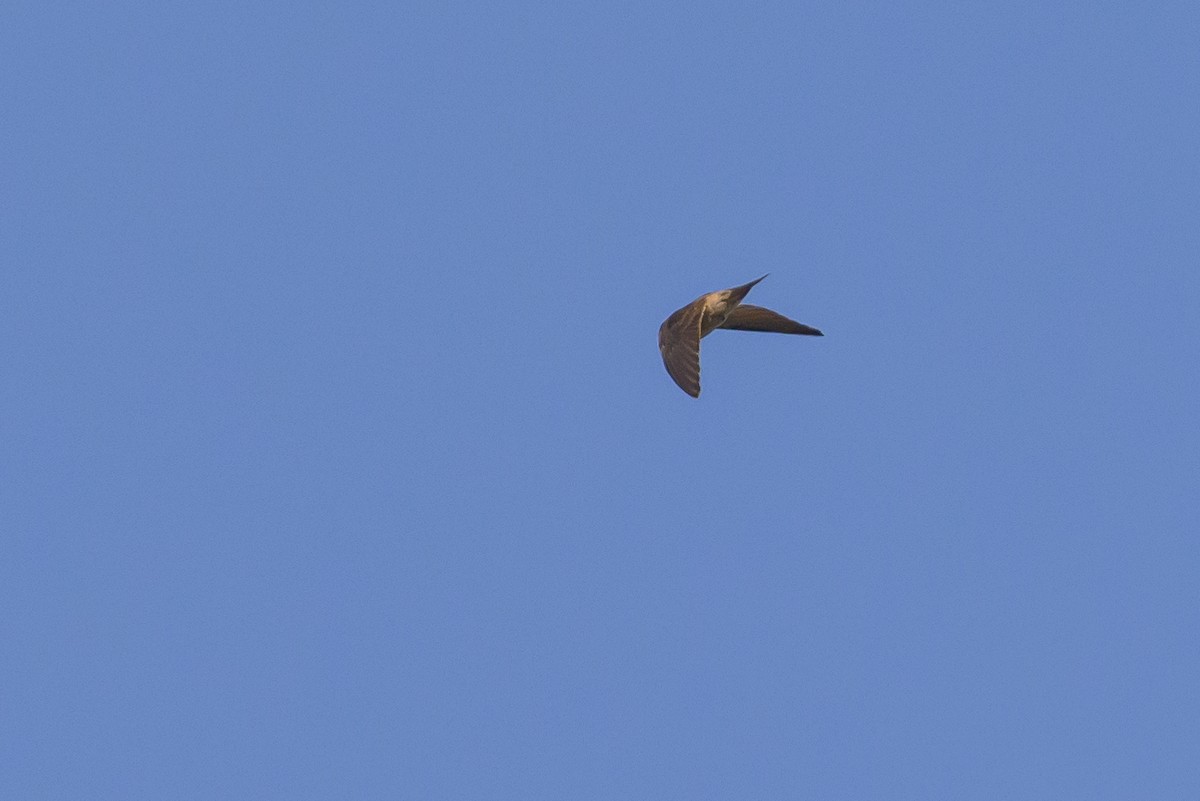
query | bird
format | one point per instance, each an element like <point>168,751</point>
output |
<point>680,334</point>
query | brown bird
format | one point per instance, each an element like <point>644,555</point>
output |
<point>680,334</point>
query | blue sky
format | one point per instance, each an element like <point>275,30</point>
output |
<point>339,460</point>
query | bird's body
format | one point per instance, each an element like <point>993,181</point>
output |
<point>680,334</point>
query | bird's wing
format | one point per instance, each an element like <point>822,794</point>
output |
<point>679,341</point>
<point>745,317</point>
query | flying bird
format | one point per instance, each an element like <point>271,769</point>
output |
<point>680,334</point>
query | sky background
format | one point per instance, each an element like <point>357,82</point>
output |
<point>339,460</point>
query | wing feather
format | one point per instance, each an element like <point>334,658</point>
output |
<point>745,317</point>
<point>679,342</point>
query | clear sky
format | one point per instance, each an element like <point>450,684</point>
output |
<point>339,460</point>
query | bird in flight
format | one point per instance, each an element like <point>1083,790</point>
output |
<point>680,334</point>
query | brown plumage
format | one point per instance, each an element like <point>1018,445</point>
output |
<point>680,334</point>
